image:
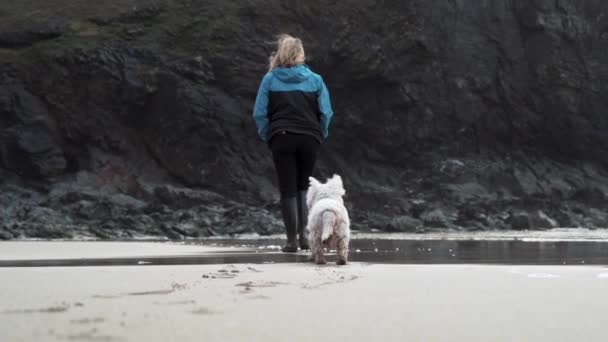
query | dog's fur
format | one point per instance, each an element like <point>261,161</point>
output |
<point>328,221</point>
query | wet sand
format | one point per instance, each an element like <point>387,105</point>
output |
<point>299,301</point>
<point>34,250</point>
<point>363,249</point>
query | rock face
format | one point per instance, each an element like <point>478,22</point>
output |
<point>129,117</point>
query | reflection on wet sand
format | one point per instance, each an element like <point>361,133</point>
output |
<point>380,251</point>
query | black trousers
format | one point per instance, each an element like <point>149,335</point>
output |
<point>294,158</point>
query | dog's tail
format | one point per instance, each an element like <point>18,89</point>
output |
<point>328,221</point>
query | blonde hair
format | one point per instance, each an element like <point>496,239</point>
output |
<point>289,52</point>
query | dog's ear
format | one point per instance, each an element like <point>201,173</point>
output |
<point>313,182</point>
<point>336,179</point>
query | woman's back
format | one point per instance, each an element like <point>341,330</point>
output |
<point>293,101</point>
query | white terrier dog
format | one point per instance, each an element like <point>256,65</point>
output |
<point>328,221</point>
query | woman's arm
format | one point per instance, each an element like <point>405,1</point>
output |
<point>260,109</point>
<point>324,108</point>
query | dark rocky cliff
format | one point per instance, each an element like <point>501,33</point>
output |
<point>124,118</point>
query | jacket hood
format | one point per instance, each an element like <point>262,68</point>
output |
<point>294,74</point>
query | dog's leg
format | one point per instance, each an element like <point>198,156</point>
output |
<point>320,257</point>
<point>317,251</point>
<point>342,251</point>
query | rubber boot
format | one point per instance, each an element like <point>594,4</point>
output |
<point>289,209</point>
<point>302,220</point>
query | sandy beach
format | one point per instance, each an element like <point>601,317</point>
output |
<point>298,301</point>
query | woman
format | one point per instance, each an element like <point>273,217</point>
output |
<point>292,114</point>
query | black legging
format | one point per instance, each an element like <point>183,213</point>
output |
<point>294,158</point>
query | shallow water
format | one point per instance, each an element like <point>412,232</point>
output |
<point>381,251</point>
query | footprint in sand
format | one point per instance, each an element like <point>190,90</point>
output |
<point>52,309</point>
<point>339,280</point>
<point>248,286</point>
<point>204,311</point>
<point>98,296</point>
<point>228,272</point>
<point>179,302</point>
<point>222,274</point>
<point>153,292</point>
<point>174,287</point>
<point>261,284</point>
<point>91,335</point>
<point>258,297</point>
<point>86,321</point>
<point>246,289</point>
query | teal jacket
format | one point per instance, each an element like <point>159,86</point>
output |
<point>292,99</point>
